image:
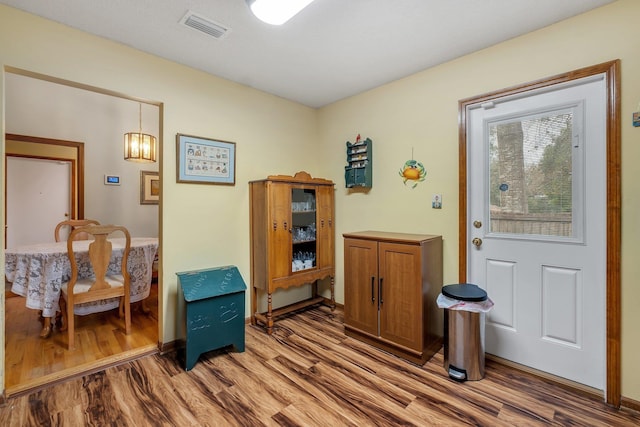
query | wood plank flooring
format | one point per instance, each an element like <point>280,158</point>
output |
<point>308,373</point>
<point>100,340</point>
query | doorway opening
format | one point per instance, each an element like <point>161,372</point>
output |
<point>48,360</point>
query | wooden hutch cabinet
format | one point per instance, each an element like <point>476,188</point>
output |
<point>391,283</point>
<point>292,240</point>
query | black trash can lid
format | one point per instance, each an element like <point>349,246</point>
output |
<point>464,292</point>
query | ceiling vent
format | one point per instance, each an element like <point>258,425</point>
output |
<point>205,25</point>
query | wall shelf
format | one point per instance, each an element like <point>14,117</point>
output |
<point>358,172</point>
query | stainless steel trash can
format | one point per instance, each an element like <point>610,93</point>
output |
<point>464,334</point>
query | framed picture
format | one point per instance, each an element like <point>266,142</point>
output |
<point>205,161</point>
<point>149,188</point>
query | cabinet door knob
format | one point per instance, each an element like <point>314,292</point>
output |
<point>380,291</point>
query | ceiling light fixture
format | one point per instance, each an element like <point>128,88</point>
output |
<point>276,12</point>
<point>138,146</point>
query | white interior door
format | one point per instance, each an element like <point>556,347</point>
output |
<point>38,198</point>
<point>537,231</point>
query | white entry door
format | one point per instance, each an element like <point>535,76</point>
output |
<point>38,198</point>
<point>537,226</point>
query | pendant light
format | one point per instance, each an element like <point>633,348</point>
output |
<point>138,146</point>
<point>276,12</point>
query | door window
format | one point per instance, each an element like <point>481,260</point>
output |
<point>534,175</point>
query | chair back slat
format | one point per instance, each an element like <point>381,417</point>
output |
<point>99,253</point>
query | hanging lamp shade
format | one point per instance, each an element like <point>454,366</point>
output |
<point>138,146</point>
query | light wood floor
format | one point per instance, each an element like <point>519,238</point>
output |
<point>31,361</point>
<point>308,373</point>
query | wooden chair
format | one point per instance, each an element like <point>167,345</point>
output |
<point>73,224</point>
<point>100,286</point>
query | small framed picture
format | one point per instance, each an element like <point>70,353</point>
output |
<point>205,161</point>
<point>149,188</point>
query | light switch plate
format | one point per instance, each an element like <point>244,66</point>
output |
<point>436,201</point>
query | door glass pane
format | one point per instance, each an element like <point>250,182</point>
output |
<point>531,188</point>
<point>303,212</point>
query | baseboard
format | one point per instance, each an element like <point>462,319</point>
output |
<point>170,346</point>
<point>565,383</point>
<point>559,381</point>
<point>630,403</point>
<point>327,301</point>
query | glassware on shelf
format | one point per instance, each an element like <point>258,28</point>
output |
<point>306,205</point>
<point>304,234</point>
<point>303,260</point>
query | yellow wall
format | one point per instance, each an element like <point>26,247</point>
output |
<point>204,226</point>
<point>421,113</point>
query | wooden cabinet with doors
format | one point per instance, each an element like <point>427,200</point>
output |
<point>391,283</point>
<point>292,241</point>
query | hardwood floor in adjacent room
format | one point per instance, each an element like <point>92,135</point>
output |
<point>31,361</point>
<point>308,373</point>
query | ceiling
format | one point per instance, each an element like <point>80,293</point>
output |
<point>329,51</point>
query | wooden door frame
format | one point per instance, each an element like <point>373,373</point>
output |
<point>77,168</point>
<point>611,70</point>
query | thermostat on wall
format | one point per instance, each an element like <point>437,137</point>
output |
<point>111,180</point>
